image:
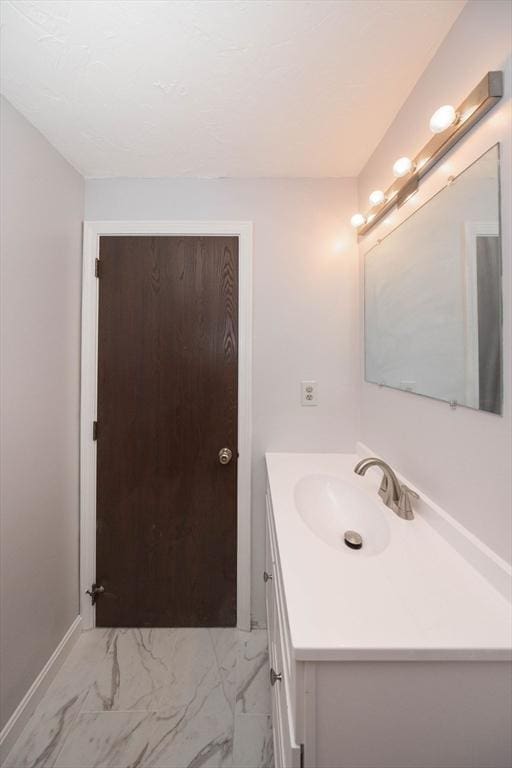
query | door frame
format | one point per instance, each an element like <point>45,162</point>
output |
<point>92,231</point>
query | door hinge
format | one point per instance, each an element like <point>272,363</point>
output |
<point>94,591</point>
<point>95,430</point>
<point>96,268</point>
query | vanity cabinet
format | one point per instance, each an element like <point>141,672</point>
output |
<point>368,712</point>
<point>283,669</point>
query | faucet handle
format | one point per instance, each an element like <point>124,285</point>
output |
<point>384,486</point>
<point>404,506</point>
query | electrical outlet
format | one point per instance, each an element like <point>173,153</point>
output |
<point>309,393</point>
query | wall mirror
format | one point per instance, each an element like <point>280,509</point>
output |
<point>433,295</point>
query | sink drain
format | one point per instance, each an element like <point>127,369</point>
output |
<point>353,539</point>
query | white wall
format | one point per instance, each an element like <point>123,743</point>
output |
<point>462,458</point>
<point>42,201</point>
<point>305,313</point>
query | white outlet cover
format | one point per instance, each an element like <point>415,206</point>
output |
<point>309,393</point>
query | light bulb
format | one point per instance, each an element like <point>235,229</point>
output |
<point>443,118</point>
<point>357,219</point>
<point>377,197</point>
<point>402,167</point>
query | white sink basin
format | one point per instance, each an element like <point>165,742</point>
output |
<point>330,506</point>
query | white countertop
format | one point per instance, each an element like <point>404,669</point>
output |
<point>418,599</point>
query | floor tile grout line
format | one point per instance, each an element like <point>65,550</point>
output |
<point>151,730</point>
<point>97,712</point>
<point>99,653</point>
<point>66,737</point>
<point>106,634</point>
<point>79,712</point>
<point>82,711</point>
<point>61,674</point>
<point>221,676</point>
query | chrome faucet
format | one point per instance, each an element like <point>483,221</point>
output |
<point>394,495</point>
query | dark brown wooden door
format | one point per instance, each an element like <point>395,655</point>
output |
<point>167,403</point>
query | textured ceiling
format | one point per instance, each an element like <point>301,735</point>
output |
<point>217,88</point>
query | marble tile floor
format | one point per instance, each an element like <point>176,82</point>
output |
<point>154,698</point>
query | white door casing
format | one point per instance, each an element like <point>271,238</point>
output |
<point>93,230</point>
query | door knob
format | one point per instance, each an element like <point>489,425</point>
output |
<point>225,455</point>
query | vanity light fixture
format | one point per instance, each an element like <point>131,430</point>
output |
<point>377,197</point>
<point>449,125</point>
<point>357,219</point>
<point>402,167</point>
<point>467,114</point>
<point>443,118</point>
<point>408,190</point>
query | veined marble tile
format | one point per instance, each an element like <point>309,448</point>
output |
<point>225,645</point>
<point>135,673</point>
<point>106,740</point>
<point>191,676</point>
<point>193,666</point>
<point>197,732</point>
<point>253,745</point>
<point>253,688</point>
<point>44,734</point>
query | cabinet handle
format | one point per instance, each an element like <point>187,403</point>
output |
<point>266,576</point>
<point>274,676</point>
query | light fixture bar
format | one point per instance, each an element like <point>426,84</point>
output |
<point>481,99</point>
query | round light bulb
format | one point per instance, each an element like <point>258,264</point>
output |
<point>357,219</point>
<point>376,197</point>
<point>402,167</point>
<point>443,118</point>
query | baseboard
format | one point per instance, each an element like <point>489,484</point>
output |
<point>19,718</point>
